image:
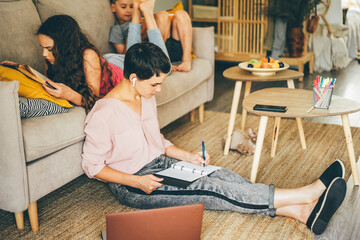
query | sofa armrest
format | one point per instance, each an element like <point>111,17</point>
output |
<point>13,176</point>
<point>203,42</point>
<point>203,47</point>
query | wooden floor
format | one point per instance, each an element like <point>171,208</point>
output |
<point>345,224</point>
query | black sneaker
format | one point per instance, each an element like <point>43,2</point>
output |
<point>336,169</point>
<point>328,204</point>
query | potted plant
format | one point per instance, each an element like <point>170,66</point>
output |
<point>295,12</point>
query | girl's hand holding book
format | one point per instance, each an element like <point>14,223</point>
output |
<point>61,90</point>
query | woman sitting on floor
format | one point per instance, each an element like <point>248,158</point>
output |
<point>124,147</point>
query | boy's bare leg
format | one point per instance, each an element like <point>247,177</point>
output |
<point>164,24</point>
<point>182,31</point>
<point>147,9</point>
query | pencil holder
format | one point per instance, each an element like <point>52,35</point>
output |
<point>322,96</point>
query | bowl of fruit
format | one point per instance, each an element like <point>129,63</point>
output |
<point>264,67</point>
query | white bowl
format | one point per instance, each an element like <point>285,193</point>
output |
<point>262,71</point>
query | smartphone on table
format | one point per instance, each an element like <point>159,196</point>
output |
<point>270,108</point>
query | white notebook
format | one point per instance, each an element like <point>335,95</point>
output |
<point>183,173</point>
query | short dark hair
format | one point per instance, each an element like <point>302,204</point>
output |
<point>145,60</point>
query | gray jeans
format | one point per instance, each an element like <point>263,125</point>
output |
<point>134,36</point>
<point>221,190</point>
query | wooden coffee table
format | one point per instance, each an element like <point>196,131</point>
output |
<point>239,75</point>
<point>298,102</point>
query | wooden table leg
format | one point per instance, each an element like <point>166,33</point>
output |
<point>311,64</point>
<point>301,69</point>
<point>275,136</point>
<point>301,133</point>
<point>234,107</point>
<point>258,147</point>
<point>290,84</point>
<point>244,112</point>
<point>350,147</point>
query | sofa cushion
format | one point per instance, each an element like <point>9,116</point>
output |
<point>38,107</point>
<point>20,18</point>
<point>178,83</point>
<point>45,135</point>
<point>94,17</point>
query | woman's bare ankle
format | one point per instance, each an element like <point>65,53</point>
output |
<point>313,191</point>
<point>306,211</point>
<point>317,189</point>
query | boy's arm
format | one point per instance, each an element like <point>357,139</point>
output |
<point>120,48</point>
<point>118,39</point>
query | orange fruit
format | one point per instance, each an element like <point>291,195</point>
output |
<point>265,65</point>
<point>264,60</point>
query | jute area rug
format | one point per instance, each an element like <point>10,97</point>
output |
<point>77,210</point>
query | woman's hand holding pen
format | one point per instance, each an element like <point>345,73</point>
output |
<point>193,157</point>
<point>149,183</point>
<point>197,158</point>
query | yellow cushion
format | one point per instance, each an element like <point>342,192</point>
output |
<point>29,88</point>
<point>178,6</point>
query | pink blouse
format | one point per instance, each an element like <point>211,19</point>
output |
<point>118,137</point>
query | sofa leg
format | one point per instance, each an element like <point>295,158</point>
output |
<point>33,216</point>
<point>192,116</point>
<point>19,218</point>
<point>201,113</point>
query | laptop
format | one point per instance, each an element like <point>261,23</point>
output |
<point>175,223</point>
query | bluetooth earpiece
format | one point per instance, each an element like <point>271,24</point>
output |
<point>134,80</point>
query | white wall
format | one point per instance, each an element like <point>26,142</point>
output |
<point>335,15</point>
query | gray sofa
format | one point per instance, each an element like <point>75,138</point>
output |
<point>39,155</point>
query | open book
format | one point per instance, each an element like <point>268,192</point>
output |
<point>182,174</point>
<point>29,72</point>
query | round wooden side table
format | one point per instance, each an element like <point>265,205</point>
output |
<point>239,75</point>
<point>298,102</point>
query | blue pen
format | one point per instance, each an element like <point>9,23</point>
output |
<point>203,150</point>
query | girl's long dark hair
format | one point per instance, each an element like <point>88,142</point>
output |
<point>69,46</point>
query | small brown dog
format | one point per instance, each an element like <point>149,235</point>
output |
<point>242,142</point>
